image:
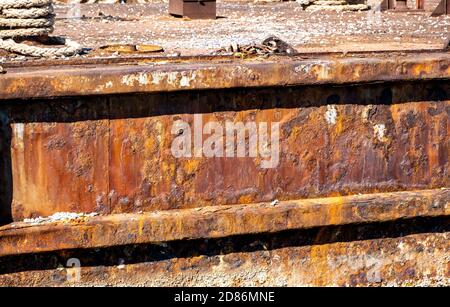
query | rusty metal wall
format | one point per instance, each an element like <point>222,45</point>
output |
<point>111,154</point>
<point>401,253</point>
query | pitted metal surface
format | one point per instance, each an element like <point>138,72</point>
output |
<point>358,197</point>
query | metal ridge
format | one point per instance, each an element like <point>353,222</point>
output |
<point>221,221</point>
<point>60,81</point>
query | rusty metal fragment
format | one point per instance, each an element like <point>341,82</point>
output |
<point>131,49</point>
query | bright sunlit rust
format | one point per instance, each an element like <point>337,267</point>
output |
<point>360,195</point>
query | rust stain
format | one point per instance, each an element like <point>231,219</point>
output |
<point>119,160</point>
<point>111,154</point>
<point>217,222</point>
<point>214,74</point>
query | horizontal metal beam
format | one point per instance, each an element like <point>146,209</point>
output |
<point>221,221</point>
<point>417,259</point>
<point>50,82</point>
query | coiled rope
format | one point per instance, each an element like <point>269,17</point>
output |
<point>33,19</point>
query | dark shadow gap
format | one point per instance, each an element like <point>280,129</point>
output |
<point>6,181</point>
<point>141,105</point>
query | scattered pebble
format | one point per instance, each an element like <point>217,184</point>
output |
<point>247,23</point>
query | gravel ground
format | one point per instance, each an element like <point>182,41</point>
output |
<point>247,23</point>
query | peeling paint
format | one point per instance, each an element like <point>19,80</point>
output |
<point>303,68</point>
<point>365,113</point>
<point>380,132</point>
<point>331,114</point>
<point>19,130</point>
<point>130,80</point>
<point>186,79</point>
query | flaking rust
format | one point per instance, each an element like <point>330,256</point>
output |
<point>117,157</point>
<point>92,192</point>
<point>364,255</point>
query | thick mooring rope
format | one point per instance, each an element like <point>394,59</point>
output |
<point>32,19</point>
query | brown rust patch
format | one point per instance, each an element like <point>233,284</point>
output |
<point>365,255</point>
<point>116,155</point>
